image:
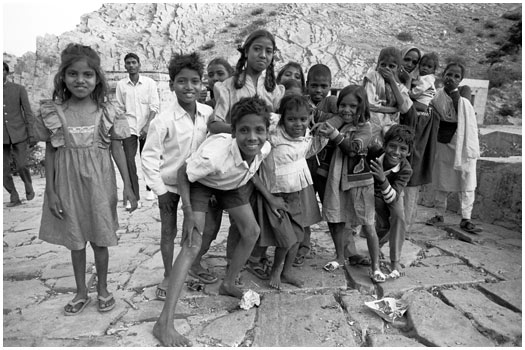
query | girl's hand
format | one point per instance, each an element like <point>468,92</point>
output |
<point>376,168</point>
<point>188,226</point>
<point>326,129</point>
<point>404,76</point>
<point>130,196</point>
<point>277,204</point>
<point>55,205</point>
<point>316,129</point>
<point>387,74</point>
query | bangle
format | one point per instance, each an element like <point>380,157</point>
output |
<point>339,139</point>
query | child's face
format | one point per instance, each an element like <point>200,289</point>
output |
<point>80,79</point>
<point>295,121</point>
<point>426,67</point>
<point>318,87</point>
<point>452,77</point>
<point>216,72</point>
<point>348,108</point>
<point>132,65</point>
<point>251,134</point>
<point>187,86</point>
<point>389,63</point>
<point>260,54</point>
<point>291,73</point>
<point>410,60</point>
<point>395,152</point>
<point>293,91</point>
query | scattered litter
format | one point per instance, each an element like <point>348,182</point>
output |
<point>388,308</point>
<point>195,285</point>
<point>130,303</point>
<point>249,300</point>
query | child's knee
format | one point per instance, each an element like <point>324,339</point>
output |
<point>252,232</point>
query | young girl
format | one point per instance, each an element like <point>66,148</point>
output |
<point>285,174</point>
<point>349,192</point>
<point>386,96</point>
<point>218,71</point>
<point>254,75</point>
<point>82,134</point>
<point>457,146</point>
<point>291,71</point>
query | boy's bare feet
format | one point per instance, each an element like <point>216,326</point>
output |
<point>168,336</point>
<point>231,290</point>
<point>287,278</point>
<point>275,282</point>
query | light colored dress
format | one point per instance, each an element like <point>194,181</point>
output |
<point>84,175</point>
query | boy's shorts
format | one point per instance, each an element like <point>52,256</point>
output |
<point>200,196</point>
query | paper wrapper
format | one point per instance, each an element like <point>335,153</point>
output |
<point>249,300</point>
<point>388,308</point>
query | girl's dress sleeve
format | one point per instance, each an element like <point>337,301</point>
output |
<point>48,126</point>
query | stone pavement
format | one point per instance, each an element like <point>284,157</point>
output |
<point>459,293</point>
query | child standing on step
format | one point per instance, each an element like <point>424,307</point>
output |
<point>82,134</point>
<point>349,192</point>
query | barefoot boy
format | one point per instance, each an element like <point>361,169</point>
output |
<point>222,166</point>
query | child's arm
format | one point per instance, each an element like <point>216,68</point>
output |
<point>117,151</point>
<point>188,223</point>
<point>403,104</point>
<point>276,203</point>
<point>390,191</point>
<point>53,201</point>
<point>216,126</point>
<point>217,123</point>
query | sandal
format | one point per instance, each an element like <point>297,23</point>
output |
<point>377,276</point>
<point>106,304</point>
<point>160,293</point>
<point>204,276</point>
<point>258,269</point>
<point>395,274</point>
<point>436,220</point>
<point>73,304</point>
<point>359,260</point>
<point>298,261</point>
<point>331,266</point>
<point>467,226</point>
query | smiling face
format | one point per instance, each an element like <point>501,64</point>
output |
<point>216,72</point>
<point>251,134</point>
<point>187,86</point>
<point>410,60</point>
<point>291,73</point>
<point>395,152</point>
<point>318,87</point>
<point>295,121</point>
<point>452,77</point>
<point>80,79</point>
<point>348,108</point>
<point>259,55</point>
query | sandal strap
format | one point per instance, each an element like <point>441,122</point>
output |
<point>105,299</point>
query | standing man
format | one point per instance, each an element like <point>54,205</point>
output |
<point>18,134</point>
<point>138,99</point>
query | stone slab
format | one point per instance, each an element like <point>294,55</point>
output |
<point>365,319</point>
<point>392,341</point>
<point>359,279</point>
<point>441,261</point>
<point>33,250</point>
<point>428,277</point>
<point>42,341</point>
<point>437,324</point>
<point>500,323</point>
<point>23,269</point>
<point>432,252</point>
<point>125,257</point>
<point>16,239</point>
<point>316,320</point>
<point>422,233</point>
<point>506,293</point>
<point>409,253</point>
<point>230,330</point>
<point>141,335</point>
<point>20,294</point>
<point>505,263</point>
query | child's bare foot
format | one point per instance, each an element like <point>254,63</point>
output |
<point>275,282</point>
<point>286,278</point>
<point>226,289</point>
<point>168,336</point>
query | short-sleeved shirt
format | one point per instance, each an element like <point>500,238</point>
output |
<point>218,163</point>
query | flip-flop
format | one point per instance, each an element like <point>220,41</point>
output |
<point>160,293</point>
<point>85,302</point>
<point>359,260</point>
<point>331,266</point>
<point>298,261</point>
<point>258,270</point>
<point>201,276</point>
<point>378,277</point>
<point>469,227</point>
<point>395,274</point>
<point>106,304</point>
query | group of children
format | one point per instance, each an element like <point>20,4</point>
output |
<point>261,148</point>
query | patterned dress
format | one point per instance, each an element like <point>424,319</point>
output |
<point>84,179</point>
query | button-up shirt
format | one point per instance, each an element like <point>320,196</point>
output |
<point>18,117</point>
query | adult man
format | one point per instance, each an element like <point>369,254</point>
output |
<point>18,134</point>
<point>138,99</point>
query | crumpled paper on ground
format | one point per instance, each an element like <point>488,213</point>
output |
<point>249,300</point>
<point>388,308</point>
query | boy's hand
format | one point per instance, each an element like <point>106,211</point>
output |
<point>130,196</point>
<point>188,226</point>
<point>277,204</point>
<point>376,167</point>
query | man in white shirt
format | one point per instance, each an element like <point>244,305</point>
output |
<point>138,98</point>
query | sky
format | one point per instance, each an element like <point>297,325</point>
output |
<point>23,21</point>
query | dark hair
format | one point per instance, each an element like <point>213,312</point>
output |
<point>74,53</point>
<point>239,79</point>
<point>292,83</point>
<point>363,110</point>
<point>292,102</point>
<point>132,55</point>
<point>456,61</point>
<point>250,105</point>
<point>319,70</point>
<point>180,61</point>
<point>222,62</point>
<point>294,65</point>
<point>401,133</point>
<point>6,67</point>
<point>432,57</point>
<point>388,52</point>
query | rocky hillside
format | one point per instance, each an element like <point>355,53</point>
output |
<point>346,37</point>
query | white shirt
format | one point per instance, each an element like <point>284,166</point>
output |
<point>218,163</point>
<point>172,138</point>
<point>137,101</point>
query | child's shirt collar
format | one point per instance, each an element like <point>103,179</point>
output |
<point>391,170</point>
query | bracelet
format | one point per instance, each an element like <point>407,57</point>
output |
<point>338,142</point>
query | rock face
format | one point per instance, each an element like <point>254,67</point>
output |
<point>346,37</point>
